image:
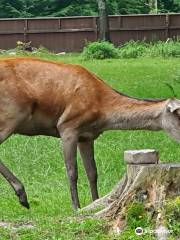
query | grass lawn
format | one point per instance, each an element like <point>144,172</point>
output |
<point>38,162</point>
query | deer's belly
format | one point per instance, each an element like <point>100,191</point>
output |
<point>37,131</point>
<point>37,125</point>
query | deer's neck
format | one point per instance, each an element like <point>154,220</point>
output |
<point>133,114</point>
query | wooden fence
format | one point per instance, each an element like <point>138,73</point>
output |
<point>70,34</point>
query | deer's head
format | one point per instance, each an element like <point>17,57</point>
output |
<point>171,118</point>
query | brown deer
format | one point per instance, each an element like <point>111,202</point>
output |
<point>64,100</point>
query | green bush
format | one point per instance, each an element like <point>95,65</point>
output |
<point>133,49</point>
<point>164,49</point>
<point>136,49</point>
<point>99,50</point>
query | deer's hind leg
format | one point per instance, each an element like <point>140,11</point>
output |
<point>15,184</point>
<point>6,129</point>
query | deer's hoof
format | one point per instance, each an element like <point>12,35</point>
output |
<point>25,204</point>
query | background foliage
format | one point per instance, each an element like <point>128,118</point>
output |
<point>35,8</point>
<point>131,49</point>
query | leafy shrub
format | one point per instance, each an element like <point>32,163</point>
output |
<point>164,49</point>
<point>100,50</point>
<point>133,49</point>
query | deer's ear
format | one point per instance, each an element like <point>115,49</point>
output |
<point>173,106</point>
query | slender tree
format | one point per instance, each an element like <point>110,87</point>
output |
<point>103,21</point>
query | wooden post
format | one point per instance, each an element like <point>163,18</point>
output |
<point>25,30</point>
<point>59,23</point>
<point>95,26</point>
<point>167,26</point>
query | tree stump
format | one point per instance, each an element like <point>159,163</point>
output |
<point>147,181</point>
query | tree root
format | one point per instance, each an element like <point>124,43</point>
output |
<point>150,184</point>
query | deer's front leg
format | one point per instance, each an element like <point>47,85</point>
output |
<point>69,145</point>
<point>87,154</point>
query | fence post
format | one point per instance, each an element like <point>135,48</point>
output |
<point>25,30</point>
<point>120,22</point>
<point>167,25</point>
<point>59,23</point>
<point>95,28</point>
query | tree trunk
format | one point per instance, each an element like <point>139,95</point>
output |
<point>153,5</point>
<point>145,181</point>
<point>103,21</point>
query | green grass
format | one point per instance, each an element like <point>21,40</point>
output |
<point>38,162</point>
